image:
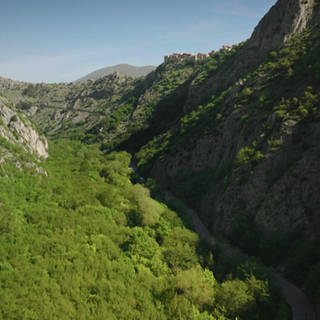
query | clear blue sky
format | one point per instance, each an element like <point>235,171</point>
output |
<point>62,40</point>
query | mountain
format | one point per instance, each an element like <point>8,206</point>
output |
<point>233,134</point>
<point>244,148</point>
<point>124,69</point>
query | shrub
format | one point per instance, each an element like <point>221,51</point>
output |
<point>246,93</point>
<point>248,155</point>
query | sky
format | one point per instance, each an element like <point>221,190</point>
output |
<point>63,40</point>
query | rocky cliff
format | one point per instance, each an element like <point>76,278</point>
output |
<point>255,118</point>
<point>284,20</point>
<point>17,132</point>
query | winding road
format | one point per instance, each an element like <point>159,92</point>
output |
<point>300,306</point>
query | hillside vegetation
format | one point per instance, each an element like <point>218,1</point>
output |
<point>86,243</point>
<point>234,135</point>
<point>245,157</point>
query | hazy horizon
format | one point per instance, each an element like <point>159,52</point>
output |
<point>61,42</point>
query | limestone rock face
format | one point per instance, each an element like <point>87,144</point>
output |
<point>285,19</point>
<point>18,130</point>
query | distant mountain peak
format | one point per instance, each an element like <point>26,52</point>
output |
<point>122,69</point>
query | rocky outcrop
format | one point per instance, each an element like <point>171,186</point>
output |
<point>278,192</point>
<point>7,84</point>
<point>285,19</point>
<point>17,129</point>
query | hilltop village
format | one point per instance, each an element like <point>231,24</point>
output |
<point>192,57</point>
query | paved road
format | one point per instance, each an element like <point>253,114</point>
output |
<point>297,300</point>
<point>300,306</point>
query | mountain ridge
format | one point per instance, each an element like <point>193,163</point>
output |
<point>123,69</point>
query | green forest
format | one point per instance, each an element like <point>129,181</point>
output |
<point>82,241</point>
<point>101,182</point>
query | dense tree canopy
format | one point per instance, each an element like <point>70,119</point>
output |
<point>86,243</point>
